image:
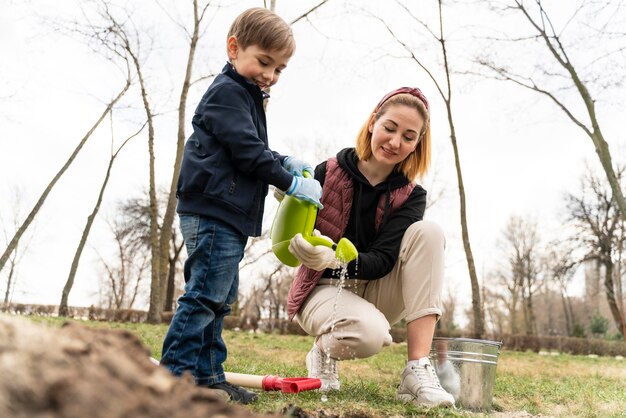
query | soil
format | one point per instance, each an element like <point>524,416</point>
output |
<point>78,372</point>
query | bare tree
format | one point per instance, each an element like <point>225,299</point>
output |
<point>560,266</point>
<point>510,298</point>
<point>521,275</point>
<point>495,315</point>
<point>20,249</point>
<point>125,274</point>
<point>31,216</point>
<point>166,268</point>
<point>444,87</point>
<point>446,325</point>
<point>268,298</point>
<point>137,211</point>
<point>63,307</point>
<point>114,31</point>
<point>267,301</point>
<point>597,218</point>
<point>604,25</point>
<point>174,269</point>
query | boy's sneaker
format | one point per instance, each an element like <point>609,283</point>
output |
<point>235,393</point>
<point>321,366</point>
<point>419,384</point>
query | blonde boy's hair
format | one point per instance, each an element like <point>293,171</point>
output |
<point>417,163</point>
<point>264,28</point>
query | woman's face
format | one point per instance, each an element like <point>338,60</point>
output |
<point>395,134</point>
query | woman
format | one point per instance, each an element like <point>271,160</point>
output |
<point>370,197</point>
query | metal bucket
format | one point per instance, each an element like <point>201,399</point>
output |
<point>466,369</point>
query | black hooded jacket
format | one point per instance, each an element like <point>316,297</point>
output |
<point>378,251</point>
<point>227,163</point>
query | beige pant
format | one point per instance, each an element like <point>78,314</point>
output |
<point>354,322</point>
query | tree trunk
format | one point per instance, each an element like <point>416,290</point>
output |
<point>171,286</point>
<point>171,280</point>
<point>602,149</point>
<point>555,46</point>
<point>513,311</point>
<point>531,328</point>
<point>154,310</point>
<point>31,216</point>
<point>170,210</point>
<point>63,306</point>
<point>10,283</point>
<point>567,312</point>
<point>477,310</point>
<point>609,288</point>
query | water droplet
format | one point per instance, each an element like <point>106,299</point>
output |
<point>324,398</point>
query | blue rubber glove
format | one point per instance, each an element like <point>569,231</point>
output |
<point>306,189</point>
<point>297,167</point>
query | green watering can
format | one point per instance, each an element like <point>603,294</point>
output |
<point>297,216</point>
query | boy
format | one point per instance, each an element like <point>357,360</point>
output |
<point>227,166</point>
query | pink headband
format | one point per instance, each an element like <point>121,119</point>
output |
<point>413,91</point>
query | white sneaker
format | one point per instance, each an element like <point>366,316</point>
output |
<point>419,384</point>
<point>321,366</point>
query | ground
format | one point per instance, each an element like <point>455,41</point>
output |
<point>77,372</point>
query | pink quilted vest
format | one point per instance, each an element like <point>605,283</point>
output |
<point>332,221</point>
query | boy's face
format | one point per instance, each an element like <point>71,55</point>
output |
<point>260,66</point>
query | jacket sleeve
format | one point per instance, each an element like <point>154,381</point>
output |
<point>227,115</point>
<point>320,173</point>
<point>379,259</point>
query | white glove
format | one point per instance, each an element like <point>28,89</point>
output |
<point>315,257</point>
<point>278,194</point>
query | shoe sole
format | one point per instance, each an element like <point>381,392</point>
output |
<point>222,395</point>
<point>328,388</point>
<point>406,398</point>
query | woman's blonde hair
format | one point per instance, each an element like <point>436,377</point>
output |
<point>264,28</point>
<point>415,164</point>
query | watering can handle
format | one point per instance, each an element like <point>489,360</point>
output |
<point>311,216</point>
<point>313,240</point>
<point>310,225</point>
<point>345,250</point>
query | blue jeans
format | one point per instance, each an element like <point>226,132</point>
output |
<point>194,339</point>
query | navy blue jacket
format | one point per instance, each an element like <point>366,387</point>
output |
<point>227,164</point>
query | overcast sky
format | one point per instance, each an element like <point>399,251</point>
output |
<point>519,153</point>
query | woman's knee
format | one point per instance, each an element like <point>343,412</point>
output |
<point>360,337</point>
<point>422,235</point>
<point>427,230</point>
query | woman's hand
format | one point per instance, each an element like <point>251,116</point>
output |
<point>278,194</point>
<point>315,257</point>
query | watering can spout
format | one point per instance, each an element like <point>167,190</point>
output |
<point>297,216</point>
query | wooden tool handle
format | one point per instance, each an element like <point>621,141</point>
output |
<point>245,380</point>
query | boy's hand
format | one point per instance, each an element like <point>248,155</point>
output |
<point>297,167</point>
<point>306,189</point>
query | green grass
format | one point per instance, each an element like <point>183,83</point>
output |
<point>559,386</point>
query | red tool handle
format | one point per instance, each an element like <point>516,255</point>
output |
<point>269,382</point>
<point>290,384</point>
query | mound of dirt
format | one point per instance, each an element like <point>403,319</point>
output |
<point>78,372</point>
